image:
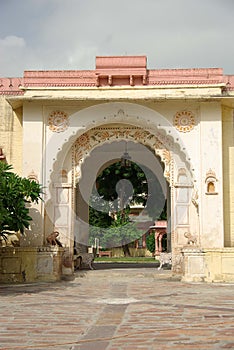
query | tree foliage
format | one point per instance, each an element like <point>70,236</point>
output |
<point>111,224</point>
<point>150,243</point>
<point>108,179</point>
<point>15,194</point>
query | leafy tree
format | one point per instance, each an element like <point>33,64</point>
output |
<point>108,179</point>
<point>119,233</point>
<point>111,224</point>
<point>15,194</point>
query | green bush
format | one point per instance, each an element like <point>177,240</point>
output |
<point>15,195</point>
<point>150,243</point>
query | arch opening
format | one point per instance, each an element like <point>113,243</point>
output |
<point>106,155</point>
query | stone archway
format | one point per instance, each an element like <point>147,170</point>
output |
<point>109,133</point>
<point>120,125</point>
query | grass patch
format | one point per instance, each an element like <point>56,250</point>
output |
<point>126,259</point>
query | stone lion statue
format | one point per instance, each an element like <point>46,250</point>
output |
<point>192,239</point>
<point>53,240</point>
<point>10,239</point>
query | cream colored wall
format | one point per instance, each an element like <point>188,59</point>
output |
<point>11,134</point>
<point>228,175</point>
<point>33,158</point>
<point>211,206</point>
<point>208,265</point>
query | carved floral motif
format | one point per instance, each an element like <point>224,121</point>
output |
<point>83,140</point>
<point>58,121</point>
<point>184,121</point>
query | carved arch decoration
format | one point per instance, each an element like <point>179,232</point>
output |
<point>99,135</point>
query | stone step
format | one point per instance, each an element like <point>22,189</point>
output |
<point>124,273</point>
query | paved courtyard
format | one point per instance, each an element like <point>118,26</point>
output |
<point>117,309</point>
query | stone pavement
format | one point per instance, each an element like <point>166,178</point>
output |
<point>119,309</point>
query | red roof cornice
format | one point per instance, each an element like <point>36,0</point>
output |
<point>115,71</point>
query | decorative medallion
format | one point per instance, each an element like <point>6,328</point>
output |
<point>184,121</point>
<point>83,140</point>
<point>58,121</point>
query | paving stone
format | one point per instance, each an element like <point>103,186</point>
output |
<point>121,310</point>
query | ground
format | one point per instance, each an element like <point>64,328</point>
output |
<point>117,309</point>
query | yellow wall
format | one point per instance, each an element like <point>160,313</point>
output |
<point>11,134</point>
<point>228,175</point>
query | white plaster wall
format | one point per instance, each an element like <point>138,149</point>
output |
<point>33,136</point>
<point>190,141</point>
<point>211,206</point>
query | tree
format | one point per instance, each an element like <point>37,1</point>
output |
<point>111,224</point>
<point>150,243</point>
<point>15,195</point>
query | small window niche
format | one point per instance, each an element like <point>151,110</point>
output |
<point>211,182</point>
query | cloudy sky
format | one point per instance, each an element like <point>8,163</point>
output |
<point>68,34</point>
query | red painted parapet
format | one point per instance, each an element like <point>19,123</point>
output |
<point>11,86</point>
<point>160,224</point>
<point>121,62</point>
<point>59,78</point>
<point>229,81</point>
<point>116,71</point>
<point>192,76</point>
<point>121,70</point>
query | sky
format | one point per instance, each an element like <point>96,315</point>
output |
<point>69,34</point>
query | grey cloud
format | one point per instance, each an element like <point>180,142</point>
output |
<point>58,34</point>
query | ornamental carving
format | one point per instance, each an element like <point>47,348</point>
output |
<point>184,121</point>
<point>211,182</point>
<point>92,138</point>
<point>33,176</point>
<point>58,121</point>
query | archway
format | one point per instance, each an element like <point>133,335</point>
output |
<point>129,122</point>
<point>154,200</point>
